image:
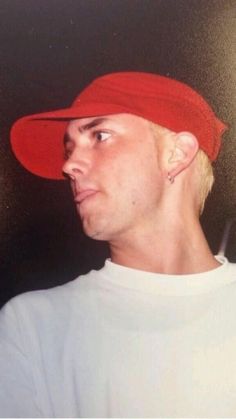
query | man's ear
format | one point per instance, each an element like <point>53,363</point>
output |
<point>185,148</point>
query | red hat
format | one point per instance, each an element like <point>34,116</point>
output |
<point>37,140</point>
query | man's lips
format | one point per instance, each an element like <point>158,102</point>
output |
<point>82,195</point>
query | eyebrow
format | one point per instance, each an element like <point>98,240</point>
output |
<point>95,122</point>
<point>92,124</point>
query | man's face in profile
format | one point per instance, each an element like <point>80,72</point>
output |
<point>112,162</point>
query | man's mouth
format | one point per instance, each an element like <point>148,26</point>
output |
<point>82,195</point>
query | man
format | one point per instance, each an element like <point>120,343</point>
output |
<point>152,334</point>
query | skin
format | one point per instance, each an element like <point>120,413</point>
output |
<point>119,177</point>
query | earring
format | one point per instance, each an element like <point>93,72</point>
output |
<point>170,178</point>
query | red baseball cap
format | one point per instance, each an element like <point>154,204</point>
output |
<point>37,140</point>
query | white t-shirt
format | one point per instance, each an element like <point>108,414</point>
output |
<point>122,343</point>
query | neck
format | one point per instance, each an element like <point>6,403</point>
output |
<point>174,248</point>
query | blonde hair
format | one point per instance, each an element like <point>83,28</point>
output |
<point>203,166</point>
<point>206,177</point>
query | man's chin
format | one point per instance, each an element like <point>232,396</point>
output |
<point>96,225</point>
<point>95,235</point>
<point>93,231</point>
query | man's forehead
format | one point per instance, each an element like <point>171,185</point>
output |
<point>87,123</point>
<point>83,124</point>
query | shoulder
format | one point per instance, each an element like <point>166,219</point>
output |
<point>56,302</point>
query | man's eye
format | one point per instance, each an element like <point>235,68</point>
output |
<point>101,135</point>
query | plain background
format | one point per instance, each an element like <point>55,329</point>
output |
<point>50,49</point>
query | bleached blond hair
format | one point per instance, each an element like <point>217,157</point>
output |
<point>203,166</point>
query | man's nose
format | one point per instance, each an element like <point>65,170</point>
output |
<point>78,163</point>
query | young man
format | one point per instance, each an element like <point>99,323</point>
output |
<point>152,334</point>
